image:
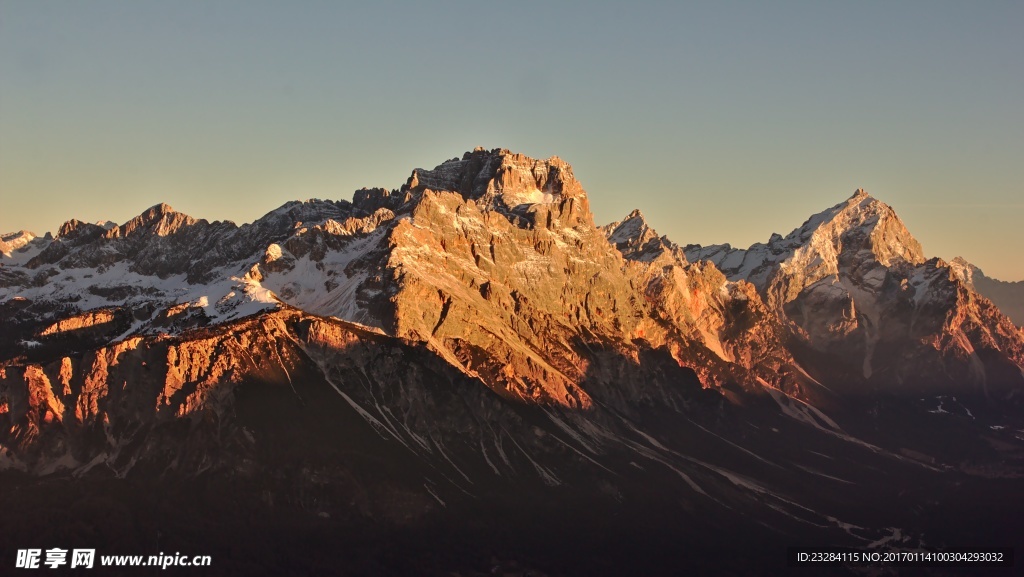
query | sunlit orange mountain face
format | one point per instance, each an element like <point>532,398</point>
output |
<point>467,375</point>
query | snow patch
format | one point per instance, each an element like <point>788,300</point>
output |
<point>433,494</point>
<point>799,410</point>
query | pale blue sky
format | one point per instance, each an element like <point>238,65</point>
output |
<point>722,121</point>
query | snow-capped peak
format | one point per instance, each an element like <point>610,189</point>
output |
<point>12,241</point>
<point>963,270</point>
<point>860,223</point>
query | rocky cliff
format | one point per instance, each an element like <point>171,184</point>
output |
<point>473,341</point>
<point>852,285</point>
<point>1008,296</point>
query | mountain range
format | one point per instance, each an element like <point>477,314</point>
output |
<point>467,375</point>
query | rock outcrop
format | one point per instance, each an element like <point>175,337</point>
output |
<point>1008,296</point>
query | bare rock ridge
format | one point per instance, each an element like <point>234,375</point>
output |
<point>638,241</point>
<point>494,262</point>
<point>13,241</point>
<point>1008,296</point>
<point>854,284</point>
<point>474,333</point>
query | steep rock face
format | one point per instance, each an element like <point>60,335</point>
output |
<point>479,284</point>
<point>502,178</point>
<point>185,405</point>
<point>1008,296</point>
<point>11,242</point>
<point>853,284</point>
<point>470,346</point>
<point>519,287</point>
<point>78,322</point>
<point>100,407</point>
<point>861,229</point>
<point>638,241</point>
<point>493,261</point>
<point>701,304</point>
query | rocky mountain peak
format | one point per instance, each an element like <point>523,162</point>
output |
<point>160,220</point>
<point>297,214</point>
<point>497,251</point>
<point>514,178</point>
<point>527,191</point>
<point>76,228</point>
<point>636,240</point>
<point>1007,296</point>
<point>870,224</point>
<point>866,222</point>
<point>459,346</point>
<point>14,237</point>
<point>963,270</point>
<point>12,241</point>
<point>633,227</point>
<point>858,229</point>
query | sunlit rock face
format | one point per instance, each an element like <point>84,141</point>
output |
<point>473,338</point>
<point>852,283</point>
<point>1008,296</point>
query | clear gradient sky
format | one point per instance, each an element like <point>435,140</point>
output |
<point>721,121</point>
